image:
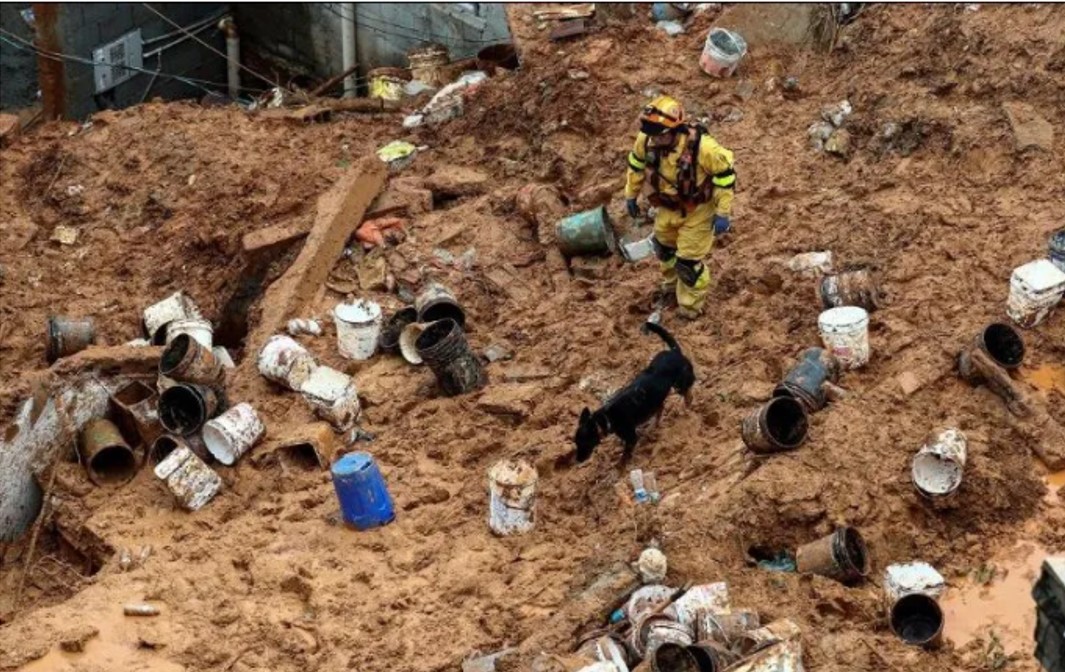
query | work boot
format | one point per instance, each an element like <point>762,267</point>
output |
<point>688,314</point>
<point>665,296</point>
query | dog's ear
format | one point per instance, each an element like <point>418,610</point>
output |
<point>586,415</point>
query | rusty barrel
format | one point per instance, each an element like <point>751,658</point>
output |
<point>444,349</point>
<point>67,335</point>
<point>107,457</point>
<point>778,425</point>
<point>805,381</point>
<point>188,361</point>
<point>841,556</point>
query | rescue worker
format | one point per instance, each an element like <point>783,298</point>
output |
<point>692,182</point>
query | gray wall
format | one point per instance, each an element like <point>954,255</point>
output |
<point>308,35</point>
<point>84,26</point>
<point>18,68</point>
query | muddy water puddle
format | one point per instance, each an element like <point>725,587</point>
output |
<point>1047,378</point>
<point>995,601</point>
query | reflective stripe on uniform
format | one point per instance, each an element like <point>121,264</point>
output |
<point>635,163</point>
<point>726,179</point>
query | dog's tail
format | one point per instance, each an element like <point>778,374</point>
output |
<point>663,334</point>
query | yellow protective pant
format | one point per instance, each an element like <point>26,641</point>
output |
<point>693,238</point>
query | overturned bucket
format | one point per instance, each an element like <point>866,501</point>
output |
<point>189,361</point>
<point>587,232</point>
<point>394,325</point>
<point>334,397</point>
<point>854,287</point>
<point>712,598</point>
<point>107,457</point>
<point>780,424</point>
<point>938,466</point>
<point>1035,288</point>
<point>845,332</point>
<point>358,328</point>
<point>233,433</point>
<point>284,361</point>
<point>364,499</point>
<point>512,497</point>
<point>158,317</point>
<point>841,556</point>
<point>806,380</point>
<point>444,349</point>
<point>188,478</point>
<point>185,407</point>
<point>67,335</point>
<point>917,619</point>
<point>437,302</point>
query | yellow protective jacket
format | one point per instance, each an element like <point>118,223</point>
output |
<point>714,163</point>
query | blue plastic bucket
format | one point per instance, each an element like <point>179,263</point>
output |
<point>1057,249</point>
<point>363,494</point>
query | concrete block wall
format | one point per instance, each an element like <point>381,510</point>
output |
<point>82,27</point>
<point>18,67</point>
<point>307,35</point>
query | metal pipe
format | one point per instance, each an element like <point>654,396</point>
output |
<point>229,27</point>
<point>347,41</point>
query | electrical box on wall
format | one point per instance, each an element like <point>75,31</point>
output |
<point>114,60</point>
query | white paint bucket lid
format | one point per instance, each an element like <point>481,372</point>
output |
<point>1039,276</point>
<point>360,312</point>
<point>843,319</point>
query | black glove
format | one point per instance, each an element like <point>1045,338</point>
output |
<point>633,207</point>
<point>722,225</point>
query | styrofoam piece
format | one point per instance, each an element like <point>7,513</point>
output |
<point>845,332</point>
<point>1035,288</point>
<point>358,328</point>
<point>652,565</point>
<point>912,577</point>
<point>938,466</point>
<point>512,497</point>
<point>191,481</point>
<point>233,433</point>
<point>198,329</point>
<point>333,395</point>
<point>286,362</point>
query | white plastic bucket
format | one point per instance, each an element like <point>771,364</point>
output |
<point>722,52</point>
<point>334,397</point>
<point>512,497</point>
<point>1035,289</point>
<point>645,599</point>
<point>845,332</point>
<point>233,433</point>
<point>938,466</point>
<point>284,361</point>
<point>913,577</point>
<point>177,306</point>
<point>191,481</point>
<point>198,329</point>
<point>709,598</point>
<point>358,328</point>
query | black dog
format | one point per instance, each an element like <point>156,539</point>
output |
<point>639,401</point>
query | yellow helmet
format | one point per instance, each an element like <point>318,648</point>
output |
<point>662,114</point>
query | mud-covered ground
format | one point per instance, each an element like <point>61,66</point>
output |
<point>263,578</point>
